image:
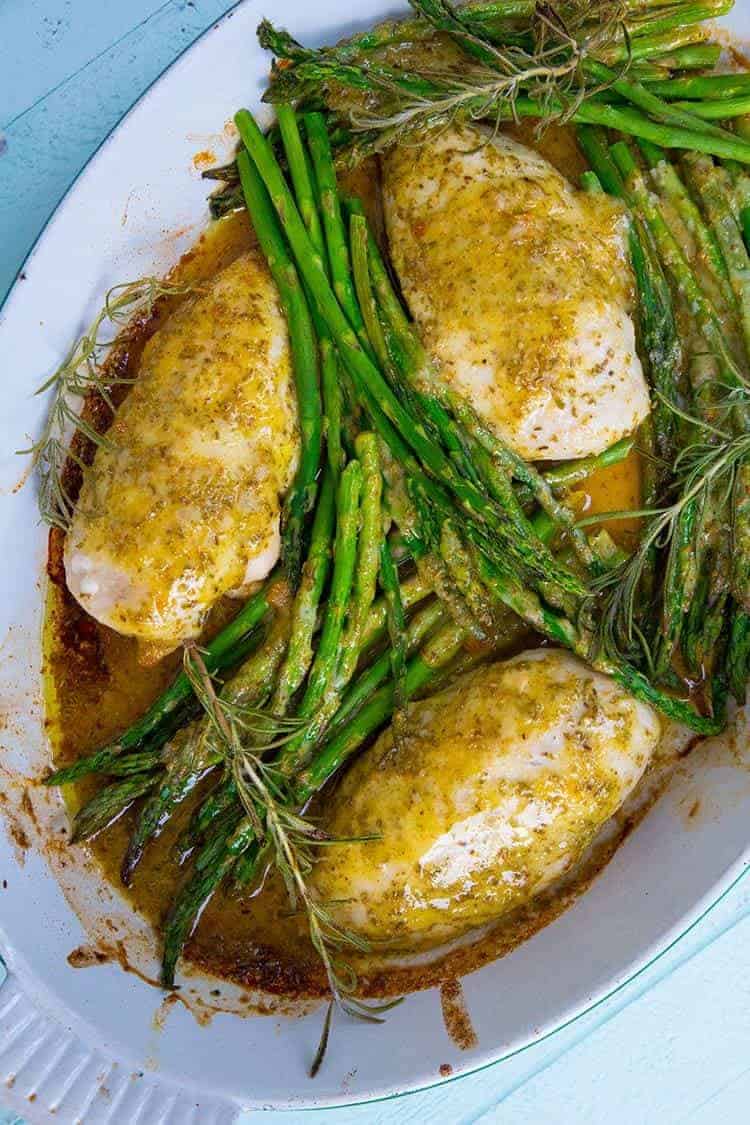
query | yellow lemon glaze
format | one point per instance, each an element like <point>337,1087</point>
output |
<point>182,504</point>
<point>520,288</point>
<point>494,790</point>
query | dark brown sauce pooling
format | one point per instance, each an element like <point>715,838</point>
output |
<point>97,687</point>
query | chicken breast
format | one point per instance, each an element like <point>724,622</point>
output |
<point>519,285</point>
<point>494,790</point>
<point>182,504</point>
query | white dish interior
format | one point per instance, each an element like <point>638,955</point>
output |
<point>139,205</point>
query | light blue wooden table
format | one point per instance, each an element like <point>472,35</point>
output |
<point>672,1046</point>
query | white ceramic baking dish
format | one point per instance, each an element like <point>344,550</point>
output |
<point>86,1041</point>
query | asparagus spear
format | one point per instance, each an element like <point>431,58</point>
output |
<point>738,653</point>
<point>396,617</point>
<point>336,241</point>
<point>222,798</point>
<point>321,681</point>
<point>307,600</point>
<point>371,538</point>
<point>337,661</point>
<point>301,497</point>
<point>713,188</point>
<point>694,56</point>
<point>718,110</point>
<point>414,590</point>
<point>138,762</point>
<point>680,581</point>
<point>220,653</point>
<point>571,473</point>
<point>672,188</point>
<point>196,749</point>
<point>674,260</point>
<point>109,804</point>
<point>444,646</point>
<point>213,863</point>
<point>703,644</point>
<point>702,87</point>
<point>462,571</point>
<point>302,176</point>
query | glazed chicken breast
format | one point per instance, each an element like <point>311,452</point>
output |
<point>493,792</point>
<point>519,285</point>
<point>182,504</point>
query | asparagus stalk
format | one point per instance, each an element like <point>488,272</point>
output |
<point>692,56</point>
<point>462,571</point>
<point>196,749</point>
<point>220,801</point>
<point>572,473</point>
<point>704,87</point>
<point>680,581</point>
<point>738,654</point>
<point>335,232</point>
<point>341,661</point>
<point>703,642</point>
<point>713,187</point>
<point>717,110</point>
<point>301,497</point>
<point>109,804</point>
<point>672,188</point>
<point>138,762</point>
<point>674,260</point>
<point>302,176</point>
<point>445,645</point>
<point>423,623</point>
<point>219,653</point>
<point>396,617</point>
<point>305,609</point>
<point>371,538</point>
<point>320,687</point>
<point>413,590</point>
<point>213,863</point>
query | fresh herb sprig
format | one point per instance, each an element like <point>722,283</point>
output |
<point>82,373</point>
<point>289,840</point>
<point>567,55</point>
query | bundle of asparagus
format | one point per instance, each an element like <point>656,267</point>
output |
<point>607,63</point>
<point>701,533</point>
<point>415,542</point>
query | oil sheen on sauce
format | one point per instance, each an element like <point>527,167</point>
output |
<point>96,687</point>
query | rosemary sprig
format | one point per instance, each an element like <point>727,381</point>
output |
<point>288,840</point>
<point>568,55</point>
<point>81,373</point>
<point>700,469</point>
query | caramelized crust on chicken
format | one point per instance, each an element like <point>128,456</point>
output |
<point>494,790</point>
<point>182,504</point>
<point>519,285</point>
